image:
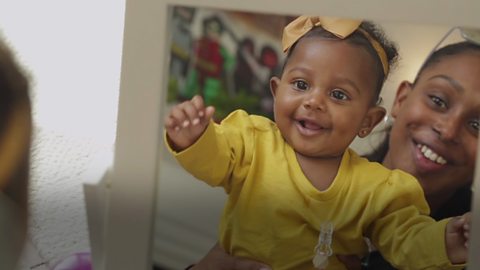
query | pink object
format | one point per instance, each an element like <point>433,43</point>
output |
<point>76,261</point>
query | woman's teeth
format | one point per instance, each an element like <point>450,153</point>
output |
<point>429,154</point>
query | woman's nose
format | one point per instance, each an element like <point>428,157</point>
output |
<point>314,101</point>
<point>448,128</point>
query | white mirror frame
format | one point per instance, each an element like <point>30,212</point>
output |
<point>131,200</point>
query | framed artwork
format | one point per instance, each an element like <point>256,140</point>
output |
<point>225,51</point>
<point>225,56</point>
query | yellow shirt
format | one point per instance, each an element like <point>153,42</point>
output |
<point>273,213</point>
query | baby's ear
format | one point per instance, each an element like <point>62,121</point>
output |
<point>274,83</point>
<point>374,115</point>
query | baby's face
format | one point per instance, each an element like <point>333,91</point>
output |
<point>324,96</point>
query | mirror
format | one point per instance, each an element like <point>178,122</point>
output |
<point>173,217</point>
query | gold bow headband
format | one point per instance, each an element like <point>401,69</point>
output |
<point>341,28</point>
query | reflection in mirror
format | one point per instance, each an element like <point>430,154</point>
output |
<point>228,57</point>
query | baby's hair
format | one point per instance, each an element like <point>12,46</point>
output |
<point>449,50</point>
<point>358,38</point>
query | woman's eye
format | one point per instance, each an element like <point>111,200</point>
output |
<point>337,94</point>
<point>300,85</point>
<point>438,102</point>
<point>475,125</point>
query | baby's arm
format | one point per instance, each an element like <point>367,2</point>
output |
<point>186,122</point>
<point>405,234</point>
<point>456,238</point>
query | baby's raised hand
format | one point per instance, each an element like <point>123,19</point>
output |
<point>186,122</point>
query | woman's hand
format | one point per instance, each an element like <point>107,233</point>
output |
<point>457,235</point>
<point>218,259</point>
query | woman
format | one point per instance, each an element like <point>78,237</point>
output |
<point>434,137</point>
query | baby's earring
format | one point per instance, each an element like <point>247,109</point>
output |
<point>362,133</point>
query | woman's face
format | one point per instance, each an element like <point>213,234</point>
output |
<point>434,136</point>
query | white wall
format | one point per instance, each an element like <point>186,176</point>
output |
<point>72,49</point>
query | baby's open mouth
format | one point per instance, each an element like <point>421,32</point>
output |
<point>309,125</point>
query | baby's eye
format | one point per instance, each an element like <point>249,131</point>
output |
<point>338,94</point>
<point>438,102</point>
<point>300,85</point>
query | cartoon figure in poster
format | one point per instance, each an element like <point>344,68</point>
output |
<point>205,65</point>
<point>210,62</point>
<point>243,74</point>
<point>252,74</point>
<point>269,59</point>
<point>181,48</point>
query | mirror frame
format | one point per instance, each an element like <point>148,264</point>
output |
<point>134,174</point>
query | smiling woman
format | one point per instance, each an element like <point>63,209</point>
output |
<point>434,136</point>
<point>151,111</point>
<point>436,122</point>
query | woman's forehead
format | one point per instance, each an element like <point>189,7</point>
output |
<point>469,58</point>
<point>463,68</point>
<point>460,75</point>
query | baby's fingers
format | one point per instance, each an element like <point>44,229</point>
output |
<point>170,123</point>
<point>190,115</point>
<point>194,111</point>
<point>203,114</point>
<point>197,101</point>
<point>176,118</point>
<point>208,113</point>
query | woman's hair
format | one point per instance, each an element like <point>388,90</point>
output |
<point>449,50</point>
<point>378,154</point>
<point>358,38</point>
<point>14,85</point>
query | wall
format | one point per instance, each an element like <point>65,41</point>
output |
<point>72,50</point>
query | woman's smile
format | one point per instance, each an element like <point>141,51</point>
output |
<point>427,160</point>
<point>429,154</point>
